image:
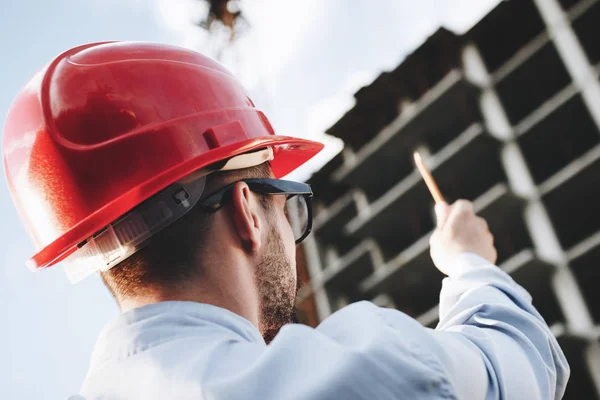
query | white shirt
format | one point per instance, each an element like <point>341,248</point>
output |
<point>490,344</point>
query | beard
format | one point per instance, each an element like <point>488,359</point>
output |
<point>277,287</point>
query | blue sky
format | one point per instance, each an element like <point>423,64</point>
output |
<point>302,60</point>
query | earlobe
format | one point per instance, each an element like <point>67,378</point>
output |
<point>245,217</point>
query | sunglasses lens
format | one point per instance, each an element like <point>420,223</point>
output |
<point>297,214</point>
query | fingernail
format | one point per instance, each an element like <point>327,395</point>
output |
<point>440,208</point>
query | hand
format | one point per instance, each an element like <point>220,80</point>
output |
<point>459,231</point>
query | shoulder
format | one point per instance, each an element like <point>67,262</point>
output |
<point>366,316</point>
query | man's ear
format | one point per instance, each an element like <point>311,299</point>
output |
<point>246,217</point>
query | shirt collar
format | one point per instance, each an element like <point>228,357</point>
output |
<point>145,327</point>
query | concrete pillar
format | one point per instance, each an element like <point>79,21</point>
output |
<point>315,269</point>
<point>573,56</point>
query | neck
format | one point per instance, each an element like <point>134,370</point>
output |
<point>226,281</point>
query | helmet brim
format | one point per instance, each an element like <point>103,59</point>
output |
<point>289,154</point>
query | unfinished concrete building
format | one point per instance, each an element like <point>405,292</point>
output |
<point>508,115</point>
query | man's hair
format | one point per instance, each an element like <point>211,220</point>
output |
<point>171,256</point>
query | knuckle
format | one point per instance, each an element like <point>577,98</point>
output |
<point>463,212</point>
<point>483,223</point>
<point>464,204</point>
<point>433,238</point>
<point>464,207</point>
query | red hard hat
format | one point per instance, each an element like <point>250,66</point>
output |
<point>107,125</point>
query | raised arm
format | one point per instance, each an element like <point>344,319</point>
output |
<point>483,311</point>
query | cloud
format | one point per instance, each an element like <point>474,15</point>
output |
<point>461,15</point>
<point>276,30</point>
<point>180,17</point>
<point>324,113</point>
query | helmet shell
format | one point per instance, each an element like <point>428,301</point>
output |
<point>107,125</point>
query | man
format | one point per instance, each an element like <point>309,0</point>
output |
<point>150,165</point>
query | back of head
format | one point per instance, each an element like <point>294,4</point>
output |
<point>175,256</point>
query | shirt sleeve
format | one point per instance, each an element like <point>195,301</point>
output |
<point>485,314</point>
<point>490,344</point>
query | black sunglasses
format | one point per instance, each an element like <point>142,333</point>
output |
<point>298,206</point>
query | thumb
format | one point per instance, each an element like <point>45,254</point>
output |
<point>442,210</point>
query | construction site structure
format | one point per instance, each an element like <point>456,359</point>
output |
<point>506,115</point>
